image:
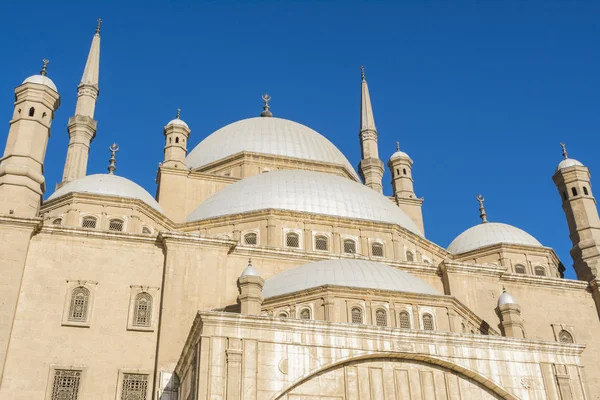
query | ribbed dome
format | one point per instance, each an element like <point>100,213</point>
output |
<point>489,234</point>
<point>304,191</point>
<point>568,162</point>
<point>345,272</point>
<point>105,184</point>
<point>41,80</point>
<point>275,136</point>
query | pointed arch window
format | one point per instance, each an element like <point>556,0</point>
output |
<point>146,230</point>
<point>404,319</point>
<point>321,243</point>
<point>427,322</point>
<point>565,337</point>
<point>292,240</point>
<point>585,191</point>
<point>80,298</point>
<point>305,313</point>
<point>381,317</point>
<point>349,246</point>
<point>574,191</point>
<point>356,314</point>
<point>283,314</point>
<point>57,221</point>
<point>142,312</point>
<point>377,250</point>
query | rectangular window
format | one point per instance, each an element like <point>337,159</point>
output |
<point>135,387</point>
<point>66,384</point>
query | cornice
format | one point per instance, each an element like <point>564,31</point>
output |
<point>21,222</point>
<point>193,239</point>
<point>197,175</point>
<point>544,281</point>
<point>122,237</point>
<point>479,269</point>
<point>486,250</point>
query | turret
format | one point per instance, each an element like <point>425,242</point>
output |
<point>21,168</point>
<point>250,285</point>
<point>176,133</point>
<point>572,179</point>
<point>400,165</point>
<point>371,167</point>
<point>510,316</point>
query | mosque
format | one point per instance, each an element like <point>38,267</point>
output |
<point>267,267</point>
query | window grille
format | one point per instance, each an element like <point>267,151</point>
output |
<point>381,317</point>
<point>565,337</point>
<point>428,322</point>
<point>305,314</point>
<point>404,319</point>
<point>519,269</point>
<point>66,384</point>
<point>135,387</point>
<point>356,315</point>
<point>80,297</point>
<point>410,257</point>
<point>250,238</point>
<point>292,240</point>
<point>146,230</point>
<point>349,246</point>
<point>89,222</point>
<point>57,221</point>
<point>115,225</point>
<point>540,271</point>
<point>142,314</point>
<point>321,243</point>
<point>377,250</point>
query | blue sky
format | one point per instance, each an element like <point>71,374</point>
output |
<point>478,93</point>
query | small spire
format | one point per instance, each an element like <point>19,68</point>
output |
<point>98,26</point>
<point>482,213</point>
<point>249,261</point>
<point>44,71</point>
<point>362,73</point>
<point>564,150</point>
<point>397,146</point>
<point>111,167</point>
<point>266,109</point>
<point>178,113</point>
<point>503,289</point>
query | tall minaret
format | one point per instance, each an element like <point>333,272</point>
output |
<point>177,132</point>
<point>371,167</point>
<point>572,180</point>
<point>21,168</point>
<point>82,126</point>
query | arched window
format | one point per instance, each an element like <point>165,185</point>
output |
<point>404,170</point>
<point>356,314</point>
<point>31,112</point>
<point>80,298</point>
<point>410,256</point>
<point>57,221</point>
<point>574,191</point>
<point>565,196</point>
<point>292,240</point>
<point>377,250</point>
<point>305,313</point>
<point>115,225</point>
<point>397,171</point>
<point>349,246</point>
<point>170,140</point>
<point>44,115</point>
<point>565,337</point>
<point>464,327</point>
<point>146,230</point>
<point>404,319</point>
<point>142,313</point>
<point>89,222</point>
<point>519,269</point>
<point>176,140</point>
<point>585,191</point>
<point>250,239</point>
<point>321,243</point>
<point>427,322</point>
<point>540,271</point>
<point>381,317</point>
<point>283,314</point>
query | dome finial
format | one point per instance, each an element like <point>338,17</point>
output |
<point>111,167</point>
<point>482,213</point>
<point>362,73</point>
<point>98,26</point>
<point>266,109</point>
<point>397,146</point>
<point>43,72</point>
<point>564,150</point>
<point>178,116</point>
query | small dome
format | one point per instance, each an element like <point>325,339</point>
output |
<point>568,162</point>
<point>488,234</point>
<point>106,184</point>
<point>304,191</point>
<point>345,272</point>
<point>506,298</point>
<point>41,80</point>
<point>399,154</point>
<point>179,122</point>
<point>250,271</point>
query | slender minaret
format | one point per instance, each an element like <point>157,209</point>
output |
<point>371,167</point>
<point>177,132</point>
<point>21,168</point>
<point>572,179</point>
<point>400,165</point>
<point>82,126</point>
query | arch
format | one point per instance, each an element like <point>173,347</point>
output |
<point>574,191</point>
<point>292,239</point>
<point>146,230</point>
<point>170,140</point>
<point>381,317</point>
<point>142,312</point>
<point>519,269</point>
<point>89,222</point>
<point>565,337</point>
<point>410,257</point>
<point>80,301</point>
<point>357,315</point>
<point>463,372</point>
<point>115,225</point>
<point>31,112</point>
<point>321,243</point>
<point>57,221</point>
<point>177,140</point>
<point>540,271</point>
<point>404,320</point>
<point>585,191</point>
<point>397,171</point>
<point>305,313</point>
<point>283,314</point>
<point>349,246</point>
<point>404,170</point>
<point>427,322</point>
<point>251,239</point>
<point>377,249</point>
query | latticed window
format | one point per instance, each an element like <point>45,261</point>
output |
<point>321,243</point>
<point>356,314</point>
<point>410,256</point>
<point>80,298</point>
<point>565,337</point>
<point>250,238</point>
<point>89,222</point>
<point>115,225</point>
<point>404,319</point>
<point>292,240</point>
<point>66,384</point>
<point>305,314</point>
<point>142,313</point>
<point>349,246</point>
<point>146,230</point>
<point>540,271</point>
<point>428,322</point>
<point>135,387</point>
<point>377,250</point>
<point>57,221</point>
<point>381,317</point>
<point>519,269</point>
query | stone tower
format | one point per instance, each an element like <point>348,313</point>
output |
<point>21,169</point>
<point>400,165</point>
<point>572,179</point>
<point>371,167</point>
<point>82,126</point>
<point>176,133</point>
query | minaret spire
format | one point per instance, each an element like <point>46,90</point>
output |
<point>482,213</point>
<point>564,150</point>
<point>111,162</point>
<point>370,167</point>
<point>91,72</point>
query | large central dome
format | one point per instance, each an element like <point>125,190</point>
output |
<point>267,135</point>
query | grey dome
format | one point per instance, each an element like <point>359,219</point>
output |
<point>179,122</point>
<point>568,162</point>
<point>506,298</point>
<point>345,272</point>
<point>41,80</point>
<point>304,191</point>
<point>399,154</point>
<point>106,184</point>
<point>276,136</point>
<point>489,234</point>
